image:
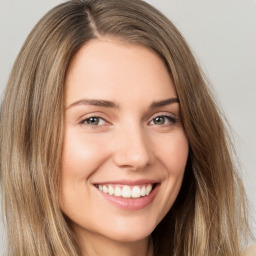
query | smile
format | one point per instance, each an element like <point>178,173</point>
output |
<point>129,195</point>
<point>126,191</point>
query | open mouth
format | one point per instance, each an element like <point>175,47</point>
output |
<point>126,191</point>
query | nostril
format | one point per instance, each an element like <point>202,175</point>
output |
<point>133,149</point>
<point>133,159</point>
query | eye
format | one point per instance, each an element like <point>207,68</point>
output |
<point>163,120</point>
<point>93,121</point>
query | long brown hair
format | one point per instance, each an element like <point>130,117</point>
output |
<point>206,218</point>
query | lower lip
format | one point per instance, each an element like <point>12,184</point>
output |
<point>131,204</point>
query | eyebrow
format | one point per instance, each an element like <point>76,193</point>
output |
<point>111,104</point>
<point>163,103</point>
<point>94,102</point>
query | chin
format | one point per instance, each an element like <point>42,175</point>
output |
<point>130,236</point>
<point>131,233</point>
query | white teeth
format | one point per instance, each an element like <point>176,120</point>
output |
<point>136,192</point>
<point>111,190</point>
<point>105,189</point>
<point>118,191</point>
<point>126,191</point>
<point>143,191</point>
<point>148,189</point>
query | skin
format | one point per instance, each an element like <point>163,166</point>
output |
<point>126,142</point>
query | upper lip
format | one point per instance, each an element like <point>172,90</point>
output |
<point>129,182</point>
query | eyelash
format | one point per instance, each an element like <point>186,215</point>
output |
<point>171,120</point>
<point>84,121</point>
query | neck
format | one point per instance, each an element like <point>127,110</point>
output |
<point>97,245</point>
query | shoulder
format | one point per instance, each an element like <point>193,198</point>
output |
<point>251,250</point>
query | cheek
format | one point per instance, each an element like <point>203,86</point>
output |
<point>80,156</point>
<point>173,156</point>
<point>172,151</point>
<point>179,153</point>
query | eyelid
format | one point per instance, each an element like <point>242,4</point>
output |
<point>82,121</point>
<point>88,118</point>
<point>100,115</point>
<point>164,113</point>
<point>172,118</point>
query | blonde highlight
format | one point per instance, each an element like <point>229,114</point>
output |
<point>206,217</point>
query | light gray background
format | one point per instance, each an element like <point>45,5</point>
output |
<point>222,34</point>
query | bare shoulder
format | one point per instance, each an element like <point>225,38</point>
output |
<point>251,250</point>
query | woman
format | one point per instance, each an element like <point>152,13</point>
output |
<point>111,142</point>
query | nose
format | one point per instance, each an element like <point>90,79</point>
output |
<point>132,149</point>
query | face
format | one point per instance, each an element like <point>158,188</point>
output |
<point>125,149</point>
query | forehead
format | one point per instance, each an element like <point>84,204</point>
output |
<point>115,70</point>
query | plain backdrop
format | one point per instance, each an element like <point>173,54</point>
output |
<point>222,35</point>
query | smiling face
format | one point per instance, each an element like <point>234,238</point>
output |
<point>125,149</point>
